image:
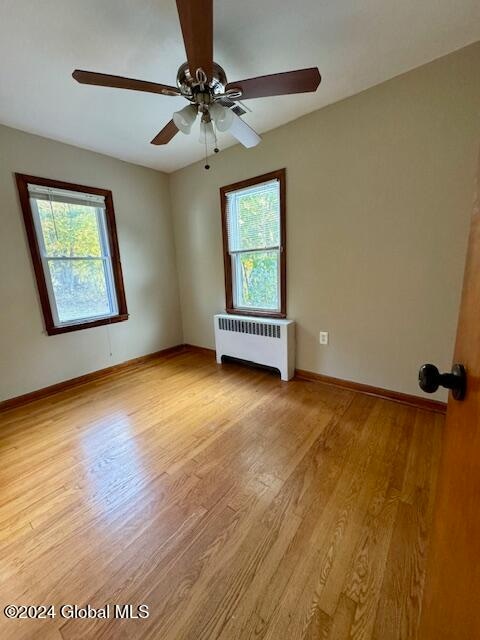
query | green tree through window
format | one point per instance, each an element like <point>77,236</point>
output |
<point>76,263</point>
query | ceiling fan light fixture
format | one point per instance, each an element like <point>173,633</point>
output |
<point>185,118</point>
<point>222,116</point>
<point>203,82</point>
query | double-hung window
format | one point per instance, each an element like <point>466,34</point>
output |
<point>71,231</point>
<point>253,217</point>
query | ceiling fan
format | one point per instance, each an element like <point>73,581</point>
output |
<point>204,84</point>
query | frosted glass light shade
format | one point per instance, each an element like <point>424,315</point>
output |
<point>206,128</point>
<point>222,116</point>
<point>185,118</point>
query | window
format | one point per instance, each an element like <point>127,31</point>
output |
<point>253,221</point>
<point>73,242</point>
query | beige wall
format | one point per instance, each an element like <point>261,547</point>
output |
<point>380,188</point>
<point>379,196</point>
<point>29,359</point>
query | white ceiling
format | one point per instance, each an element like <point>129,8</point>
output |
<point>356,44</point>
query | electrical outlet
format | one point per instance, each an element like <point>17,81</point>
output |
<point>323,337</point>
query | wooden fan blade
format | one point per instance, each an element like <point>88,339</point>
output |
<point>243,132</point>
<point>166,134</point>
<point>277,84</point>
<point>196,20</point>
<point>119,82</point>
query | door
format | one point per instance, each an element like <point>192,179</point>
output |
<point>451,603</point>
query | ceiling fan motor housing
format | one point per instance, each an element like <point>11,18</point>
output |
<point>188,85</point>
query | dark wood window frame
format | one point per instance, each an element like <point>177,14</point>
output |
<point>279,175</point>
<point>22,184</point>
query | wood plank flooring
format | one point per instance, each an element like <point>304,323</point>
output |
<point>234,505</point>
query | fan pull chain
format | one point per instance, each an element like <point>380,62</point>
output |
<point>207,166</point>
<point>215,149</point>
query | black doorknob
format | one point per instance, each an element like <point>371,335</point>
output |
<point>430,378</point>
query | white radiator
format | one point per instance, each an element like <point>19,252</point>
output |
<point>263,341</point>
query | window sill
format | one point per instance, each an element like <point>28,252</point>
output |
<point>257,313</point>
<point>78,326</point>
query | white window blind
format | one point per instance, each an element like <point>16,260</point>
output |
<point>72,237</point>
<point>254,236</point>
<point>253,217</point>
<point>63,195</point>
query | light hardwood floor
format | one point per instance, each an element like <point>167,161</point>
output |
<point>234,505</point>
